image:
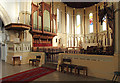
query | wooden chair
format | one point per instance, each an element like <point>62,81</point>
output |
<point>78,68</point>
<point>36,61</point>
<point>71,67</point>
<point>65,63</point>
<point>116,74</point>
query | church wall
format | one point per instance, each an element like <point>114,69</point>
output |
<point>70,35</point>
<point>81,13</point>
<point>87,12</point>
<point>99,66</point>
<point>4,14</point>
<point>61,34</point>
<point>92,37</point>
<point>23,11</point>
<point>29,37</point>
<point>25,56</point>
<point>13,12</point>
<point>85,36</point>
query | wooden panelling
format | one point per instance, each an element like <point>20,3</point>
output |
<point>17,26</point>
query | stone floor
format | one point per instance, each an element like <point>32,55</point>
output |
<point>7,69</point>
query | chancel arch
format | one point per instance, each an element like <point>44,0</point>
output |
<point>4,20</point>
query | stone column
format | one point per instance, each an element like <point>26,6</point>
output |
<point>74,24</point>
<point>96,25</point>
<point>84,28</point>
<point>66,25</point>
<point>117,37</point>
<point>108,38</point>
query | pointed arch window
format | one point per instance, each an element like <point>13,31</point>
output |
<point>58,19</point>
<point>91,22</point>
<point>78,24</point>
<point>67,23</point>
<point>104,23</point>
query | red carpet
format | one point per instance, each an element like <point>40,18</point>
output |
<point>28,75</point>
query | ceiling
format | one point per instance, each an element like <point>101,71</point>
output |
<point>80,4</point>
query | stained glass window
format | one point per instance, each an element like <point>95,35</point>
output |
<point>104,23</point>
<point>67,23</point>
<point>91,22</point>
<point>78,24</point>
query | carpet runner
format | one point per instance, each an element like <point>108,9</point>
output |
<point>28,75</point>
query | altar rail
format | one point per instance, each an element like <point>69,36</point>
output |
<point>98,65</point>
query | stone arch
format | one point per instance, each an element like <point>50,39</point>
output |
<point>6,20</point>
<point>4,16</point>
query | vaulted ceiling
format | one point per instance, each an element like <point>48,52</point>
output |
<point>80,4</point>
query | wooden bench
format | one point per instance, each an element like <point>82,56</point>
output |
<point>70,66</point>
<point>83,68</point>
<point>77,69</point>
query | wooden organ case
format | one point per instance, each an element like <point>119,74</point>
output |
<point>44,25</point>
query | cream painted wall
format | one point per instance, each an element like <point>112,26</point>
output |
<point>10,8</point>
<point>81,13</point>
<point>14,9</point>
<point>20,8</point>
<point>4,15</point>
<point>84,29</point>
<point>62,33</point>
<point>9,13</point>
<point>29,37</point>
<point>99,66</point>
<point>62,37</point>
